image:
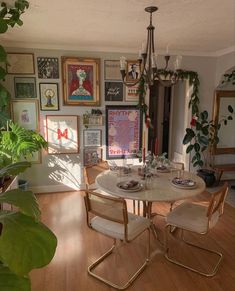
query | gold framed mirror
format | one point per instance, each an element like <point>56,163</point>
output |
<point>226,133</point>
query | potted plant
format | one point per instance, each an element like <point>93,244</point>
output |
<point>201,138</point>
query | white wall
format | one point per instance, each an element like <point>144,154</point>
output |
<point>64,172</point>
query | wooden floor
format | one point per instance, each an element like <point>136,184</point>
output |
<point>79,246</point>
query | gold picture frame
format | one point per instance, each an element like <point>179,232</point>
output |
<point>81,81</point>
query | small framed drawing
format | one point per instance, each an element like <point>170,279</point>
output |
<point>25,87</point>
<point>81,83</point>
<point>20,63</point>
<point>62,134</point>
<point>132,94</point>
<point>49,99</point>
<point>92,137</point>
<point>25,113</point>
<point>113,91</point>
<point>48,68</point>
<point>112,70</point>
<point>36,158</point>
<point>92,156</point>
<point>133,71</point>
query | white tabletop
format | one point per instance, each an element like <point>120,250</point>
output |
<point>162,189</point>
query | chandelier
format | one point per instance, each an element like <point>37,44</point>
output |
<point>147,62</point>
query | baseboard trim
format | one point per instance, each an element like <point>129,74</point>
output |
<point>54,188</point>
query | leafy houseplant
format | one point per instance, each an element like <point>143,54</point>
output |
<point>25,242</point>
<point>201,138</point>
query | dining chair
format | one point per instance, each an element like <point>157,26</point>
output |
<point>199,219</point>
<point>108,215</point>
<point>91,172</point>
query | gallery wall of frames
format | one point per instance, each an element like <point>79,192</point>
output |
<point>64,97</point>
<point>37,90</point>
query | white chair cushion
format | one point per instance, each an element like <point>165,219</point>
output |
<point>192,217</point>
<point>136,225</point>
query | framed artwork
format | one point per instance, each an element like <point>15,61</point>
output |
<point>25,113</point>
<point>62,134</point>
<point>123,131</point>
<point>92,156</point>
<point>48,68</point>
<point>20,63</point>
<point>133,71</point>
<point>36,158</point>
<point>92,137</point>
<point>113,91</point>
<point>112,70</point>
<point>81,83</point>
<point>25,87</point>
<point>132,94</point>
<point>49,98</point>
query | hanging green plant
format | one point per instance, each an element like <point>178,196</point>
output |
<point>229,78</point>
<point>168,74</point>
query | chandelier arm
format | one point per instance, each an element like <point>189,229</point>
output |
<point>131,84</point>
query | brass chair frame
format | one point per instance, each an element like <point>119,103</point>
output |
<point>124,221</point>
<point>216,204</point>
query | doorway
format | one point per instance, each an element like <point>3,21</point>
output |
<point>159,112</point>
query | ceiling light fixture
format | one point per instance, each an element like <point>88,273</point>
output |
<point>147,60</point>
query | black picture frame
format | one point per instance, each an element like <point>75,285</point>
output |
<point>123,131</point>
<point>48,68</point>
<point>113,91</point>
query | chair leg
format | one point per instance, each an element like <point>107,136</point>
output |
<point>171,259</point>
<point>133,277</point>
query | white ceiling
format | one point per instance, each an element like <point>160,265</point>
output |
<point>197,27</point>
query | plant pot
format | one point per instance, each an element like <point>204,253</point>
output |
<point>23,184</point>
<point>208,176</point>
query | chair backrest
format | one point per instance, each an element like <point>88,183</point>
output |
<point>178,165</point>
<point>217,201</point>
<point>91,172</point>
<point>107,207</point>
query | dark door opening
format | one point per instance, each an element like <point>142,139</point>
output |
<point>159,112</point>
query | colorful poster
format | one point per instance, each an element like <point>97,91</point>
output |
<point>123,131</point>
<point>62,134</point>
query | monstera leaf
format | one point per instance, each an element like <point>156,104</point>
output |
<point>11,282</point>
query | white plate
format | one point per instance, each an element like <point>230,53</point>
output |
<point>138,187</point>
<point>182,186</point>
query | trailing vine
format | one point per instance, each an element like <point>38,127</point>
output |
<point>229,78</point>
<point>168,74</point>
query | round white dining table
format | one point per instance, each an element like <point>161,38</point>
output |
<point>161,189</point>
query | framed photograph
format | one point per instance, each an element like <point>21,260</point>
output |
<point>25,113</point>
<point>20,63</point>
<point>113,91</point>
<point>92,137</point>
<point>49,98</point>
<point>81,83</point>
<point>25,87</point>
<point>112,70</point>
<point>48,68</point>
<point>123,131</point>
<point>133,71</point>
<point>62,134</point>
<point>92,156</point>
<point>132,94</point>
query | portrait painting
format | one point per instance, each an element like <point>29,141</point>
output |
<point>48,68</point>
<point>81,81</point>
<point>92,156</point>
<point>133,71</point>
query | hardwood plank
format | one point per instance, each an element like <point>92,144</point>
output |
<point>78,246</point>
